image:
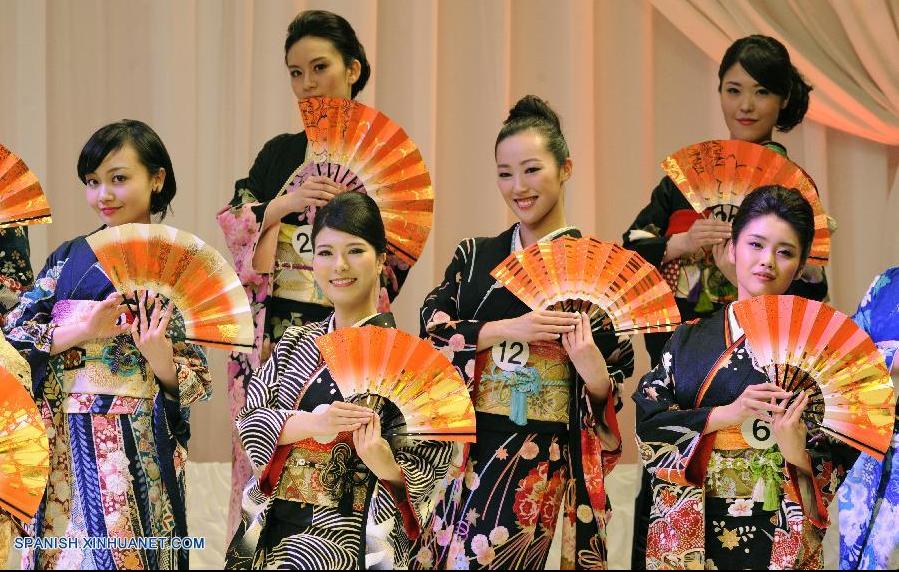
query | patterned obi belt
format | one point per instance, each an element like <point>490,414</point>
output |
<point>536,387</point>
<point>111,366</point>
<point>293,278</point>
<point>325,474</point>
<point>736,470</point>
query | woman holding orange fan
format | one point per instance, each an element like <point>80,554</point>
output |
<point>334,493</point>
<point>536,378</point>
<point>740,479</point>
<point>113,392</point>
<point>267,224</point>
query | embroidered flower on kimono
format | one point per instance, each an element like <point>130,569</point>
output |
<point>472,480</point>
<point>472,516</point>
<point>469,369</point>
<point>436,523</point>
<point>499,535</point>
<point>445,536</point>
<point>529,450</point>
<point>666,361</point>
<point>479,544</point>
<point>457,342</point>
<point>584,513</point>
<point>502,454</point>
<point>447,352</point>
<point>552,499</point>
<point>554,454</point>
<point>439,318</point>
<point>457,557</point>
<point>529,496</point>
<point>425,557</point>
<point>116,483</point>
<point>486,558</point>
<point>741,507</point>
<point>651,393</point>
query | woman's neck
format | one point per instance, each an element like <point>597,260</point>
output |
<point>346,316</point>
<point>554,220</point>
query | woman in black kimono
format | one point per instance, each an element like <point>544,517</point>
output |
<point>267,224</point>
<point>737,479</point>
<point>333,493</point>
<point>545,390</point>
<point>760,91</point>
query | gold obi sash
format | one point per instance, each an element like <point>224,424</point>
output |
<point>738,471</point>
<point>111,366</point>
<point>540,390</point>
<point>293,278</point>
<point>324,474</point>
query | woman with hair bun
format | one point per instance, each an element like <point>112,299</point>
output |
<point>503,498</point>
<point>760,92</point>
<point>267,224</point>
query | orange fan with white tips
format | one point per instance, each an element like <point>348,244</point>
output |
<point>715,176</point>
<point>804,345</point>
<point>24,450</point>
<point>360,147</point>
<point>189,272</point>
<point>22,200</point>
<point>370,364</point>
<point>617,287</point>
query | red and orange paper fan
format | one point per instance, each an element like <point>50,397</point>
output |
<point>24,450</point>
<point>362,148</point>
<point>807,345</point>
<point>617,287</point>
<point>182,267</point>
<point>22,200</point>
<point>715,176</point>
<point>431,396</point>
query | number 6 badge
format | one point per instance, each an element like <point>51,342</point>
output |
<point>757,433</point>
<point>510,355</point>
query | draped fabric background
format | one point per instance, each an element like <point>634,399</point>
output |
<point>630,87</point>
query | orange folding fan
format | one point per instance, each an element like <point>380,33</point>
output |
<point>807,345</point>
<point>24,450</point>
<point>362,148</point>
<point>22,200</point>
<point>618,288</point>
<point>716,175</point>
<point>182,267</point>
<point>385,363</point>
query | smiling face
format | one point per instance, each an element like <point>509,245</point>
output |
<point>347,268</point>
<point>750,109</point>
<point>529,179</point>
<point>119,190</point>
<point>767,256</point>
<point>316,69</point>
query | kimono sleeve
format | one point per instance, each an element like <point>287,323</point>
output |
<point>260,422</point>
<point>192,372</point>
<point>17,275</point>
<point>424,465</point>
<point>441,323</point>
<point>646,235</point>
<point>670,440</point>
<point>29,327</point>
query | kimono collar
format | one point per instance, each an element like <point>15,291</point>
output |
<point>732,329</point>
<point>382,319</point>
<point>516,236</point>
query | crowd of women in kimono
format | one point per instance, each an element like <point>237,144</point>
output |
<point>320,481</point>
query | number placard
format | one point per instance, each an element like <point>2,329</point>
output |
<point>302,241</point>
<point>758,433</point>
<point>510,355</point>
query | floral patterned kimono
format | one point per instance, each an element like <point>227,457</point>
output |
<point>275,269</point>
<point>117,443</point>
<point>869,497</point>
<point>315,505</point>
<point>15,266</point>
<point>726,499</point>
<point>539,447</point>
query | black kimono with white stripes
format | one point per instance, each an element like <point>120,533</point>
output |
<point>281,534</point>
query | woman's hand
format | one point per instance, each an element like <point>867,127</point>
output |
<point>104,320</point>
<point>149,335</point>
<point>703,233</point>
<point>587,359</point>
<point>790,433</point>
<point>722,261</point>
<point>313,192</point>
<point>535,326</point>
<point>340,416</point>
<point>757,401</point>
<point>376,453</point>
